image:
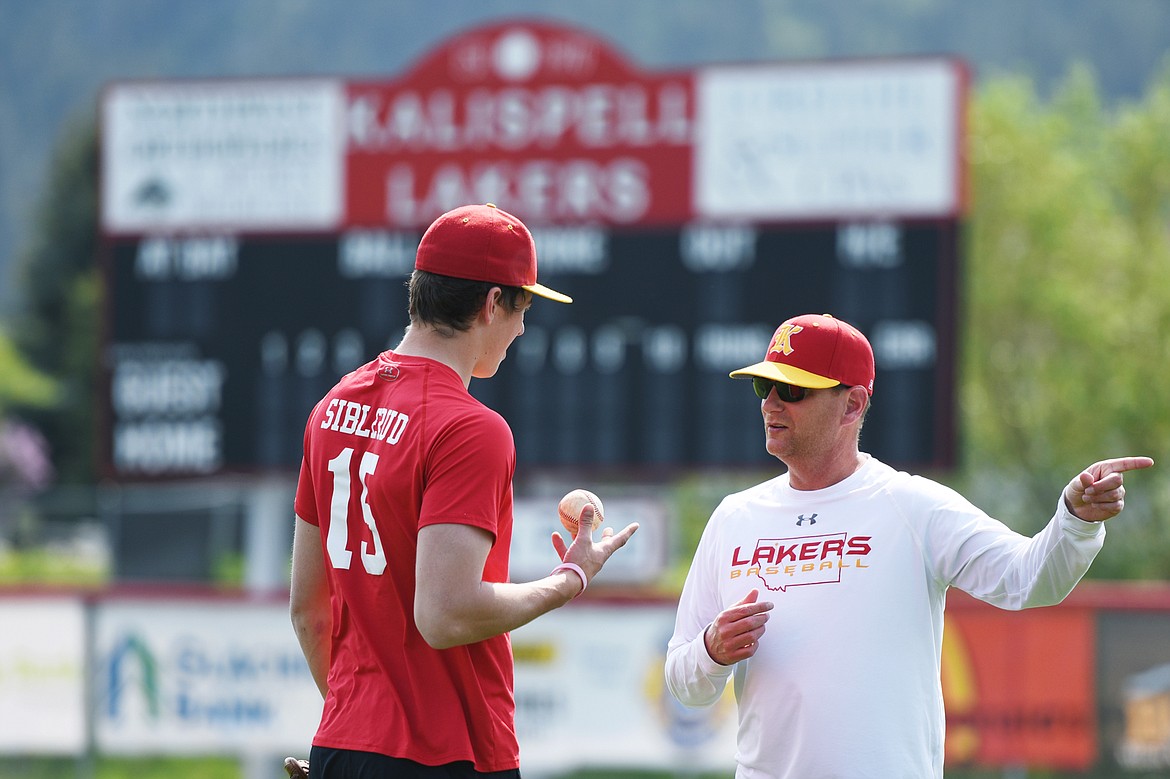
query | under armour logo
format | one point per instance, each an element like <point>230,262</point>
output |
<point>389,372</point>
<point>801,519</point>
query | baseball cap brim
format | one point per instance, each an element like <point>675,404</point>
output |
<point>788,374</point>
<point>545,292</point>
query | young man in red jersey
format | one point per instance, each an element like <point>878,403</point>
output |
<point>400,593</point>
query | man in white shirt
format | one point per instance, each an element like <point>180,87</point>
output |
<point>849,561</point>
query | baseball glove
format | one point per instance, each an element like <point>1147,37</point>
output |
<point>296,769</point>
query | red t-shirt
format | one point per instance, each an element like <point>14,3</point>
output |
<point>396,445</point>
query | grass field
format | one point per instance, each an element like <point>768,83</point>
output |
<point>125,768</point>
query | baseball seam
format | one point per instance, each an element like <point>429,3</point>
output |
<point>569,518</point>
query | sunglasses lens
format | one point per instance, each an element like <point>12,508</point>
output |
<point>789,393</point>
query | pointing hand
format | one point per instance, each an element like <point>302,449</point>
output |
<point>1096,493</point>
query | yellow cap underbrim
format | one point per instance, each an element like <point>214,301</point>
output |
<point>778,371</point>
<point>545,292</point>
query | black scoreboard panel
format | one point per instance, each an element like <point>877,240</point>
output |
<point>218,346</point>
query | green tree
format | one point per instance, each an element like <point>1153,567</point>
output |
<point>1066,304</point>
<point>20,383</point>
<point>58,326</point>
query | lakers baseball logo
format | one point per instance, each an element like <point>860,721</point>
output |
<point>788,562</point>
<point>782,341</point>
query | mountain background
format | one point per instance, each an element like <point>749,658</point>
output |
<point>56,55</point>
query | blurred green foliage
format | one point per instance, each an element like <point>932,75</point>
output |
<point>44,566</point>
<point>20,383</point>
<point>1066,307</point>
<point>58,325</point>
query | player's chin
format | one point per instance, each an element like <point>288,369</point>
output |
<point>486,370</point>
<point>776,442</point>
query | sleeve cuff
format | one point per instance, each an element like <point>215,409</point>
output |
<point>1075,524</point>
<point>708,666</point>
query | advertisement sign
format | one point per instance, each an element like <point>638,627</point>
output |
<point>1076,687</point>
<point>200,678</point>
<point>604,665</point>
<point>1018,686</point>
<point>42,676</point>
<point>1146,744</point>
<point>1133,684</point>
<point>830,140</point>
<point>221,155</point>
<point>176,677</point>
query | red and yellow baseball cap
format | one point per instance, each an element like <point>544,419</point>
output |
<point>483,243</point>
<point>815,351</point>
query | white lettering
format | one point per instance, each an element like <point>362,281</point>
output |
<point>362,430</point>
<point>706,248</point>
<point>172,387</point>
<point>188,259</point>
<point>596,116</point>
<point>543,190</point>
<point>877,245</point>
<point>330,415</point>
<point>727,347</point>
<point>399,426</point>
<point>387,416</point>
<point>903,345</point>
<point>376,253</point>
<point>572,250</point>
<point>350,418</point>
<point>157,447</point>
<point>378,432</point>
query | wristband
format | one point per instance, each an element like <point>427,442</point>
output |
<point>575,569</point>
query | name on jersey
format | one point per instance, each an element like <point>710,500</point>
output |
<point>346,416</point>
<point>783,562</point>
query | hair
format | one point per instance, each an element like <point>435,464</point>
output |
<point>450,304</point>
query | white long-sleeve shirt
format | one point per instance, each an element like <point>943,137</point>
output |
<point>845,683</point>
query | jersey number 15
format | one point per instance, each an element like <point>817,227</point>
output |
<point>337,542</point>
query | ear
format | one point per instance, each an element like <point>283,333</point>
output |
<point>855,402</point>
<point>491,305</point>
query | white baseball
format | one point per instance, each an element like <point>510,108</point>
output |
<point>573,503</point>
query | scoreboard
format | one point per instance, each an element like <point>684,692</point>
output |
<point>219,346</point>
<point>257,236</point>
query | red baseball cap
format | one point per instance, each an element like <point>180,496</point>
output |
<point>815,351</point>
<point>483,243</point>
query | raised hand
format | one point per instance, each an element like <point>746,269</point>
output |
<point>1096,493</point>
<point>587,553</point>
